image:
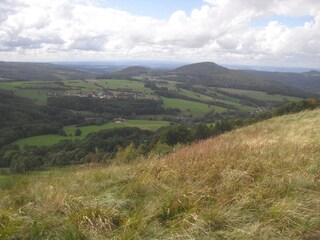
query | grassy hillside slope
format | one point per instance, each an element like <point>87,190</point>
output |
<point>259,182</point>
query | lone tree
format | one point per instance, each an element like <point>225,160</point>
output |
<point>78,132</point>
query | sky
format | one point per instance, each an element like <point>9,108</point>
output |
<point>249,32</point>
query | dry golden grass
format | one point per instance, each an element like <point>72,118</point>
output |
<point>258,182</point>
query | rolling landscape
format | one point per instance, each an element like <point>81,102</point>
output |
<point>171,120</point>
<point>183,100</point>
<point>79,137</point>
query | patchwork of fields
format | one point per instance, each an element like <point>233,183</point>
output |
<point>192,101</point>
<point>190,107</point>
<point>48,140</point>
<point>260,95</point>
<point>39,91</point>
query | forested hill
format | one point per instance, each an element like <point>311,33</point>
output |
<point>133,71</point>
<point>211,74</point>
<point>139,71</point>
<point>204,68</point>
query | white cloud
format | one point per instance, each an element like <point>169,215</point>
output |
<point>218,31</point>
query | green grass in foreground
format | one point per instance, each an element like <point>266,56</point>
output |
<point>47,140</point>
<point>258,182</point>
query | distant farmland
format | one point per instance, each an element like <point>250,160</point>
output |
<point>47,140</point>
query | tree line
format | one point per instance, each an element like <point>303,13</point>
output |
<point>20,118</point>
<point>124,107</point>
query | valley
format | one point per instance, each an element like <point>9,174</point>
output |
<point>140,153</point>
<point>190,94</point>
<point>169,120</point>
<point>179,101</point>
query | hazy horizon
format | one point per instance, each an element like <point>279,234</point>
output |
<point>171,65</point>
<point>253,33</point>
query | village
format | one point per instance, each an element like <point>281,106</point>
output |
<point>106,95</point>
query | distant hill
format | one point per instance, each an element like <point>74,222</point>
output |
<point>204,68</point>
<point>308,81</point>
<point>133,71</point>
<point>42,71</point>
<point>205,73</point>
<point>137,71</point>
<point>211,74</point>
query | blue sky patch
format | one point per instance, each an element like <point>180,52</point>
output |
<point>286,20</point>
<point>157,9</point>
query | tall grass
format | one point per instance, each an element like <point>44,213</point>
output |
<point>259,182</point>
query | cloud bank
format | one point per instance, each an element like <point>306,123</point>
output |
<point>219,31</point>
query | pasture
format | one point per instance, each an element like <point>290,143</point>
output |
<point>261,95</point>
<point>48,140</point>
<point>191,107</point>
<point>126,85</point>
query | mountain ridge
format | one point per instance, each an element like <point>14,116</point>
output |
<point>206,73</point>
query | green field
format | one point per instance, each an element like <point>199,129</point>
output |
<point>261,95</point>
<point>194,95</point>
<point>237,105</point>
<point>83,86</point>
<point>47,140</point>
<point>142,124</point>
<point>124,84</point>
<point>38,91</point>
<point>168,84</point>
<point>191,107</point>
<point>43,140</point>
<point>38,96</point>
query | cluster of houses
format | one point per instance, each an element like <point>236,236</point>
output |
<point>52,94</point>
<point>108,95</point>
<point>262,109</point>
<point>119,120</point>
